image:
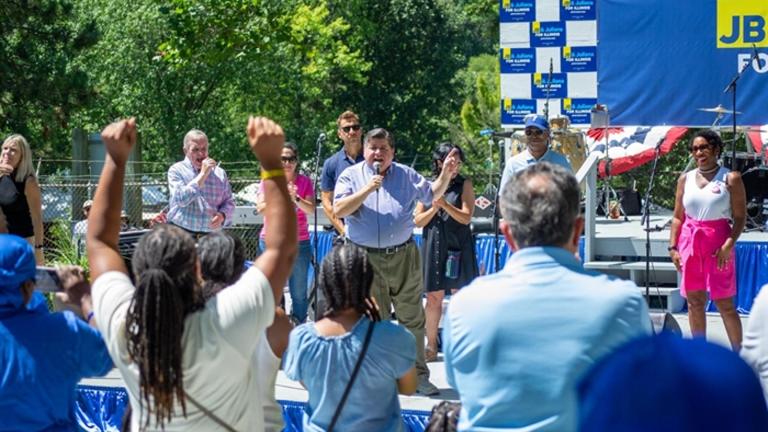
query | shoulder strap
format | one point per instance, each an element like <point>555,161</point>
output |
<point>210,414</point>
<point>352,378</point>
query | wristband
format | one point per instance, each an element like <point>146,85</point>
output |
<point>671,248</point>
<point>38,246</point>
<point>268,174</point>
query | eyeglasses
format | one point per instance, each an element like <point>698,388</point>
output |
<point>537,132</point>
<point>702,147</point>
<point>291,159</point>
<point>354,127</point>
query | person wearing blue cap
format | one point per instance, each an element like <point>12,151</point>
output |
<point>537,150</point>
<point>43,355</point>
<point>666,383</point>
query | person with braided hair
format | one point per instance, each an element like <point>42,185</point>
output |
<point>187,363</point>
<point>222,261</point>
<point>322,355</point>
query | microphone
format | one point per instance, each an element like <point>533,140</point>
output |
<point>321,137</point>
<point>495,134</point>
<point>377,167</point>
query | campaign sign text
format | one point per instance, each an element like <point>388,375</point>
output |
<point>514,110</point>
<point>517,10</point>
<point>558,88</point>
<point>514,60</point>
<point>547,34</point>
<point>574,10</point>
<point>579,59</point>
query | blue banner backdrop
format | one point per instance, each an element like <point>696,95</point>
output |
<point>659,60</point>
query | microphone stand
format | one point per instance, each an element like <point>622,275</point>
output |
<point>496,248</point>
<point>313,292</point>
<point>731,87</point>
<point>646,220</point>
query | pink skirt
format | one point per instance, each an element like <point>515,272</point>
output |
<point>698,244</point>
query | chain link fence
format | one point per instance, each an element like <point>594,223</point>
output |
<point>145,197</point>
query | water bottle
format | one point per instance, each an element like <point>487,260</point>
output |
<point>452,265</point>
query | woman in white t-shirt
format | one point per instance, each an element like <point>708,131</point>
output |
<point>187,364</point>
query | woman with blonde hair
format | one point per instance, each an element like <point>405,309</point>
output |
<point>20,197</point>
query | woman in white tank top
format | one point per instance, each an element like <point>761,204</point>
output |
<point>710,213</point>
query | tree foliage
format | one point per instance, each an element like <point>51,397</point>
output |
<point>39,85</point>
<point>207,64</point>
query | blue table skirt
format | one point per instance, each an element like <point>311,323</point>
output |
<point>102,408</point>
<point>751,263</point>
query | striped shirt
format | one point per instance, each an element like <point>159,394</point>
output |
<point>192,207</point>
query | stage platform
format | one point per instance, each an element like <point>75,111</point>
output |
<point>619,249</point>
<point>102,401</point>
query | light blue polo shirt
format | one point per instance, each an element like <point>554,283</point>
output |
<point>517,342</point>
<point>524,158</point>
<point>386,217</point>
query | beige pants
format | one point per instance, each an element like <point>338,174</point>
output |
<point>398,281</point>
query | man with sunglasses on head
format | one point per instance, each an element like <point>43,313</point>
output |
<point>537,150</point>
<point>350,133</point>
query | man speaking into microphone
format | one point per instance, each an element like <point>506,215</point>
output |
<point>376,198</point>
<point>201,196</point>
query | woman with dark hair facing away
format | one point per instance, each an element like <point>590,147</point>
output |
<point>20,198</point>
<point>303,194</point>
<point>222,262</point>
<point>448,250</point>
<point>323,355</point>
<point>710,213</point>
<point>187,364</point>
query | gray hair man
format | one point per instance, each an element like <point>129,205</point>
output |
<point>552,319</point>
<point>201,196</point>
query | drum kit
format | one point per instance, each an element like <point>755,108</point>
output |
<point>753,166</point>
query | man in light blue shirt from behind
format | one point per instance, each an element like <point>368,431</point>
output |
<point>517,342</point>
<point>536,150</point>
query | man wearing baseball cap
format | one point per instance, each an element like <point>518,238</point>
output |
<point>43,355</point>
<point>537,149</point>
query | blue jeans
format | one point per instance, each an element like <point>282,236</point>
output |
<point>297,283</point>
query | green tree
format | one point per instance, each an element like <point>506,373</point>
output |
<point>415,48</point>
<point>40,85</point>
<point>208,64</point>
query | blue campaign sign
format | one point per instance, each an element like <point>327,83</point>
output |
<point>579,59</point>
<point>660,61</point>
<point>558,88</point>
<point>547,34</point>
<point>517,10</point>
<point>574,10</point>
<point>578,110</point>
<point>518,60</point>
<point>513,110</point>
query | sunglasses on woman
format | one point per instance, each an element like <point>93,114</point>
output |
<point>291,159</point>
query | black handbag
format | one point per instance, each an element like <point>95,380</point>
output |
<point>8,192</point>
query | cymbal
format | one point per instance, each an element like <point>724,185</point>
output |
<point>719,109</point>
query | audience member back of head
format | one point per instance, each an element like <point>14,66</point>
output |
<point>666,383</point>
<point>516,342</point>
